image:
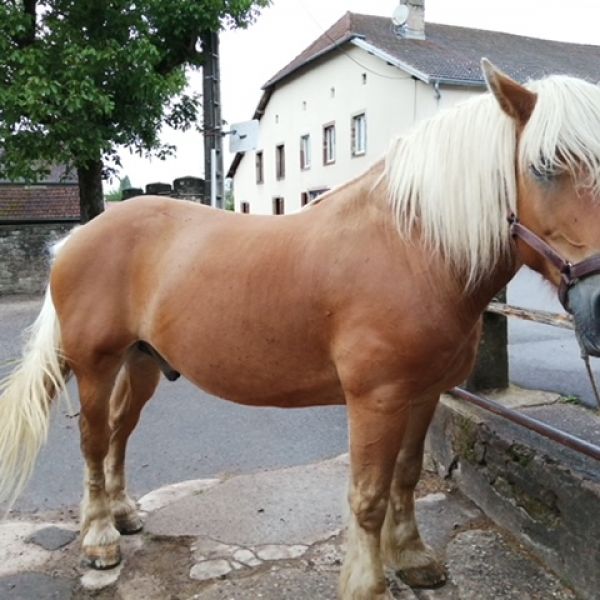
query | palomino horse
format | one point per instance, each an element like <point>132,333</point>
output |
<point>372,297</point>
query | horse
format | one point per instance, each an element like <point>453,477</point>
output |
<point>371,297</point>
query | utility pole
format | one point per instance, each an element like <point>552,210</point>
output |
<point>213,137</point>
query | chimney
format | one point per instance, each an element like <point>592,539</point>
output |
<point>409,19</point>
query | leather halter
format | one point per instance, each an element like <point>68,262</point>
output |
<point>570,273</point>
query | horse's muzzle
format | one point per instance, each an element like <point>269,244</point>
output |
<point>584,303</point>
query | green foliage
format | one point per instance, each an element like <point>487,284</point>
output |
<point>79,78</point>
<point>116,194</point>
<point>570,399</point>
<point>113,195</point>
<point>229,201</point>
<point>125,183</point>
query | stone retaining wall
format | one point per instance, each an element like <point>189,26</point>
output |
<point>546,495</point>
<point>24,256</point>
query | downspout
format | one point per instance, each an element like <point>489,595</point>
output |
<point>436,89</point>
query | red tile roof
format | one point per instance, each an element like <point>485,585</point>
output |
<point>53,202</point>
<point>453,54</point>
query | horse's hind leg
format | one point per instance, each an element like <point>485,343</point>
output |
<point>375,434</point>
<point>136,383</point>
<point>100,539</point>
<point>402,546</point>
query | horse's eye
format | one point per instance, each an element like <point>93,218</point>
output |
<point>543,172</point>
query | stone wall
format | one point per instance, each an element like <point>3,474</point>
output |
<point>24,256</point>
<point>546,495</point>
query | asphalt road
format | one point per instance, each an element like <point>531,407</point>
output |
<point>183,434</point>
<point>187,434</point>
<point>540,356</point>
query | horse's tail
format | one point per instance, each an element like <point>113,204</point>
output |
<point>25,399</point>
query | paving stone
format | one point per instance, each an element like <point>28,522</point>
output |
<point>246,557</point>
<point>38,586</point>
<point>210,569</point>
<point>280,552</point>
<point>97,580</point>
<point>52,538</point>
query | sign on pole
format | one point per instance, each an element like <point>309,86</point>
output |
<point>243,136</point>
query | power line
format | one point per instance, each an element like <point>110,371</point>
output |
<point>346,54</point>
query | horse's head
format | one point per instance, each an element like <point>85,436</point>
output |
<point>558,188</point>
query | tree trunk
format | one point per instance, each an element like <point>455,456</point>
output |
<point>91,197</point>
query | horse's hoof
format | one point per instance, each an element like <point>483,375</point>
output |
<point>101,557</point>
<point>432,575</point>
<point>129,524</point>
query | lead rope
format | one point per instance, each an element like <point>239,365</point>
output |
<point>586,359</point>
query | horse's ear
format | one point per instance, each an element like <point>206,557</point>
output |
<point>514,99</point>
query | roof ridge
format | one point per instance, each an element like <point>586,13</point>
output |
<point>317,46</point>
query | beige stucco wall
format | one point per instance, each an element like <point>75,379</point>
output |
<point>391,99</point>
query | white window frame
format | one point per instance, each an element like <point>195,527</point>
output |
<point>329,143</point>
<point>359,134</point>
<point>305,152</point>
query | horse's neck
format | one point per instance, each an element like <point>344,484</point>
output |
<point>364,203</point>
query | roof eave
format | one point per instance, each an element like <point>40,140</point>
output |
<point>392,60</point>
<point>349,37</point>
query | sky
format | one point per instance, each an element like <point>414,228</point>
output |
<point>250,57</point>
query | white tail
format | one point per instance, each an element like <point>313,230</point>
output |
<point>25,399</point>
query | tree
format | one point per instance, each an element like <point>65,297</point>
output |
<point>116,194</point>
<point>79,78</point>
<point>125,183</point>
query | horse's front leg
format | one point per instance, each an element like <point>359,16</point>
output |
<point>402,546</point>
<point>136,383</point>
<point>376,424</point>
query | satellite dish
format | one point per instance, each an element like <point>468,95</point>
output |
<point>400,15</point>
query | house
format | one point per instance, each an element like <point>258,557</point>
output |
<point>32,216</point>
<point>332,111</point>
<point>55,198</point>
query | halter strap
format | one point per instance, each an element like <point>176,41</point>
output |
<point>569,273</point>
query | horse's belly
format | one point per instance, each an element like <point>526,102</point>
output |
<point>252,371</point>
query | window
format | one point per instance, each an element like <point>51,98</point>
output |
<point>280,161</point>
<point>305,152</point>
<point>245,207</point>
<point>278,206</point>
<point>312,194</point>
<point>359,134</point>
<point>304,198</point>
<point>364,79</point>
<point>328,144</point>
<point>259,167</point>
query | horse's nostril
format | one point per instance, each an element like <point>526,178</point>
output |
<point>596,306</point>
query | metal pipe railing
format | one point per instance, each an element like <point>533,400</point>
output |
<point>556,435</point>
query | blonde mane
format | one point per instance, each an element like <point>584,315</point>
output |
<point>453,177</point>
